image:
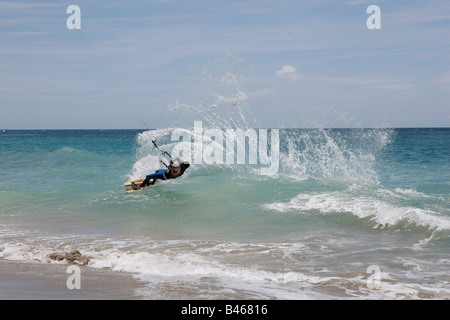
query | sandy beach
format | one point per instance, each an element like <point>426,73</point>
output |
<point>38,281</point>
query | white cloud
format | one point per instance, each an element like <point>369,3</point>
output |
<point>386,83</point>
<point>431,13</point>
<point>8,5</point>
<point>358,2</point>
<point>260,93</point>
<point>288,72</point>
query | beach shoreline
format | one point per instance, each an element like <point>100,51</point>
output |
<point>21,280</point>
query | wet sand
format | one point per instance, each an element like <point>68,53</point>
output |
<point>38,281</point>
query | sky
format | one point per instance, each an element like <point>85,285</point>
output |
<point>277,63</point>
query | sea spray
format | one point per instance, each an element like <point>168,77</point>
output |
<point>333,153</point>
<point>222,99</point>
<point>303,153</point>
<point>222,105</point>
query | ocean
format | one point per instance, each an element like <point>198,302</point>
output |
<point>349,214</point>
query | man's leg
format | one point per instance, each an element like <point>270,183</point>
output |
<point>159,174</point>
<point>146,182</point>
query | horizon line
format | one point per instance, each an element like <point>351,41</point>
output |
<point>287,128</point>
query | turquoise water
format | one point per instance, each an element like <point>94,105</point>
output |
<point>341,201</point>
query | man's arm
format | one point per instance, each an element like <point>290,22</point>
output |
<point>177,159</point>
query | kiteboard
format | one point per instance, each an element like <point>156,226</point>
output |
<point>132,186</point>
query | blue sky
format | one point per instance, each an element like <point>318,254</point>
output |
<point>282,63</point>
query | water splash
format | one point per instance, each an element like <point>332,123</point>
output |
<point>332,153</point>
<point>349,154</point>
<point>147,158</point>
<point>222,100</point>
<point>223,104</point>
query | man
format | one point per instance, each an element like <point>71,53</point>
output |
<point>172,172</point>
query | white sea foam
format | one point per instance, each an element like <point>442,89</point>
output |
<point>208,268</point>
<point>144,166</point>
<point>383,213</point>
